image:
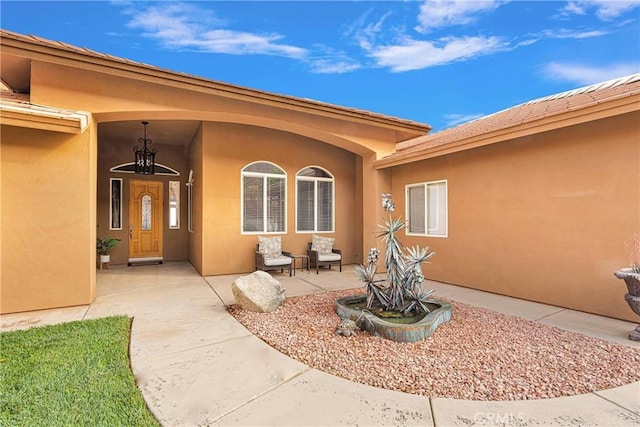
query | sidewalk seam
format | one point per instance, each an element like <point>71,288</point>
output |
<point>86,312</point>
<point>314,285</point>
<point>214,291</point>
<point>615,403</point>
<point>549,315</point>
<point>269,390</point>
<point>433,415</point>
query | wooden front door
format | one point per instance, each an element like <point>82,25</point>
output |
<point>145,221</point>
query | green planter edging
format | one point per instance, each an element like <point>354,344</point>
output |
<point>394,331</point>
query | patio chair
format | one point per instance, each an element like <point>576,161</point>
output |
<point>322,254</point>
<point>270,256</point>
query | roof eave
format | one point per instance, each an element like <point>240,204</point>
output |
<point>43,118</point>
<point>609,108</point>
<point>90,60</point>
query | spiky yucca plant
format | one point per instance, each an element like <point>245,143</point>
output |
<point>403,291</point>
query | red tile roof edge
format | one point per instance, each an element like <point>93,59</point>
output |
<point>527,112</point>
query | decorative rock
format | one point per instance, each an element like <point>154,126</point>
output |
<point>258,292</point>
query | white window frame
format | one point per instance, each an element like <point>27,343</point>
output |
<point>111,227</point>
<point>315,180</point>
<point>264,176</point>
<point>425,186</point>
<point>176,184</point>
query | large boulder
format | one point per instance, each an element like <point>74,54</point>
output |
<point>258,292</point>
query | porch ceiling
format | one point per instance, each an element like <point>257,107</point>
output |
<point>171,132</point>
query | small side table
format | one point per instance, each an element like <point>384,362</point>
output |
<point>303,258</point>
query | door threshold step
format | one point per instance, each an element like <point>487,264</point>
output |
<point>143,261</point>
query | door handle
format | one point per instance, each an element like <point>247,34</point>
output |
<point>130,231</point>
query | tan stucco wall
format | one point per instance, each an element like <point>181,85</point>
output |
<point>113,153</point>
<point>114,97</point>
<point>227,148</point>
<point>48,217</point>
<point>542,218</point>
<point>196,236</point>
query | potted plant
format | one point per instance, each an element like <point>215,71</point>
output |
<point>104,245</point>
<point>631,277</point>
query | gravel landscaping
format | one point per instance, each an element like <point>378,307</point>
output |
<point>478,355</point>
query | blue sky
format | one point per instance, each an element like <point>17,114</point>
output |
<point>439,62</point>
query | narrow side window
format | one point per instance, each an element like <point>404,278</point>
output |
<point>115,214</point>
<point>174,204</point>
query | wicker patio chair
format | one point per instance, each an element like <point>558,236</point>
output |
<point>317,259</point>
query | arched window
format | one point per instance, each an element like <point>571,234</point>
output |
<point>263,198</point>
<point>314,200</point>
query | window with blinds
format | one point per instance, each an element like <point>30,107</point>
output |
<point>314,201</point>
<point>263,198</point>
<point>426,207</point>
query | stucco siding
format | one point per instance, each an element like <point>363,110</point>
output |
<point>227,149</point>
<point>195,235</point>
<point>48,212</point>
<point>542,218</point>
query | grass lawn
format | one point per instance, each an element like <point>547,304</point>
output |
<point>75,373</point>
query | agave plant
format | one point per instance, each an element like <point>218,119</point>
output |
<point>414,258</point>
<point>417,301</point>
<point>374,290</point>
<point>393,260</point>
<point>403,291</point>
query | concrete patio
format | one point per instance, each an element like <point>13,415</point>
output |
<point>196,365</point>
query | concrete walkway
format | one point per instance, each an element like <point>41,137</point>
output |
<point>197,366</point>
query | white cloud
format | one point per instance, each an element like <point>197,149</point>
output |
<point>442,13</point>
<point>456,119</point>
<point>365,35</point>
<point>574,8</point>
<point>561,33</point>
<point>417,54</point>
<point>182,25</point>
<point>604,9</point>
<point>585,74</point>
<point>569,34</point>
<point>327,60</point>
<point>564,33</point>
<point>238,42</point>
<point>327,66</point>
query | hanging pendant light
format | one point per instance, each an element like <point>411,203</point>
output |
<point>145,159</point>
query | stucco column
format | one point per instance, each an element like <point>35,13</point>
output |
<point>374,183</point>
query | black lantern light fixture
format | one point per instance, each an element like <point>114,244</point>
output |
<point>145,159</point>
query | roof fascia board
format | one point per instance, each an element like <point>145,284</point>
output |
<point>99,62</point>
<point>43,118</point>
<point>609,108</point>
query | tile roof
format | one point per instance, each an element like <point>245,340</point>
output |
<point>317,105</point>
<point>527,112</point>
